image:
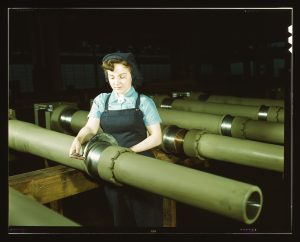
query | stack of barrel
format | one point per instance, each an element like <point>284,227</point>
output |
<point>248,132</point>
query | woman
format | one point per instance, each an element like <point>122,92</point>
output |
<point>128,116</point>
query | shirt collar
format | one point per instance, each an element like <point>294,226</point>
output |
<point>130,93</point>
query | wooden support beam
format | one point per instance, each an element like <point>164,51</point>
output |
<point>169,213</point>
<point>159,154</point>
<point>53,183</point>
<point>184,161</point>
<point>55,205</point>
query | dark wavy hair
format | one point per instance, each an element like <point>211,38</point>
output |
<point>110,65</point>
<point>126,59</point>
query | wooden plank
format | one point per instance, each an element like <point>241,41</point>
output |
<point>169,213</point>
<point>55,205</point>
<point>164,156</point>
<point>184,161</point>
<point>53,183</point>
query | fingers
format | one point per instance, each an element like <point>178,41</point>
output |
<point>77,156</point>
<point>74,151</point>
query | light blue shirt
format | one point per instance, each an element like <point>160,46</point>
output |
<point>147,105</point>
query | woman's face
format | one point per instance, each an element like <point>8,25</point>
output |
<point>120,78</point>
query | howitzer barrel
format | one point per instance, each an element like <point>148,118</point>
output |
<point>120,165</point>
<point>29,138</point>
<point>245,101</point>
<point>240,127</point>
<point>214,193</point>
<point>25,211</point>
<point>267,113</point>
<point>66,118</point>
<point>243,152</point>
<point>235,100</point>
<point>197,143</point>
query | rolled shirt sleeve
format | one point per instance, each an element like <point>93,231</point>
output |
<point>98,106</point>
<point>148,107</point>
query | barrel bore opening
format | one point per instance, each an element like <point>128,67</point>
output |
<point>253,206</point>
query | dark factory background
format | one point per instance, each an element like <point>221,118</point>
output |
<point>230,52</point>
<point>54,55</point>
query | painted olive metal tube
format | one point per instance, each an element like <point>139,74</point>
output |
<point>120,165</point>
<point>214,193</point>
<point>238,127</point>
<point>234,100</point>
<point>30,138</point>
<point>272,132</point>
<point>25,211</point>
<point>72,121</point>
<point>183,119</point>
<point>191,120</point>
<point>79,118</point>
<point>272,114</point>
<point>245,101</point>
<point>196,143</point>
<point>61,118</point>
<point>243,152</point>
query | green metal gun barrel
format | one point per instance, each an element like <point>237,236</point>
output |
<point>240,151</point>
<point>214,193</point>
<point>25,211</point>
<point>119,165</point>
<point>200,144</point>
<point>245,101</point>
<point>272,114</point>
<point>30,138</point>
<point>239,127</point>
<point>235,100</point>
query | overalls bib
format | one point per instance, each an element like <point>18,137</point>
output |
<point>130,206</point>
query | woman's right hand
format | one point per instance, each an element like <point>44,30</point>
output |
<point>75,148</point>
<point>83,135</point>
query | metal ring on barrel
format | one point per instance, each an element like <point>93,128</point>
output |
<point>226,125</point>
<point>263,113</point>
<point>93,150</point>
